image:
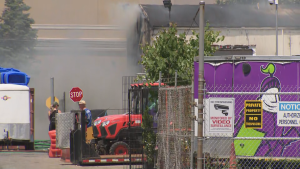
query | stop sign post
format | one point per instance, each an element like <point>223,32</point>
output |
<point>76,94</point>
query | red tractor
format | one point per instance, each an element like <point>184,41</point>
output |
<point>113,133</point>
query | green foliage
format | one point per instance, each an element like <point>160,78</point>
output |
<point>169,53</point>
<point>17,38</point>
<point>149,137</point>
<point>210,37</point>
<point>227,2</point>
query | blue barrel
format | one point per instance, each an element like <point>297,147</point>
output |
<point>8,70</point>
<point>2,70</point>
<point>11,77</point>
<point>1,74</point>
<point>2,77</point>
<point>12,70</point>
<point>27,79</point>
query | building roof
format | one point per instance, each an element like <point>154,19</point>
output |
<point>256,15</point>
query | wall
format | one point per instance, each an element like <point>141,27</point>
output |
<point>80,12</point>
<point>263,38</point>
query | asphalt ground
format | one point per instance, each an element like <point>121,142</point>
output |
<point>39,160</point>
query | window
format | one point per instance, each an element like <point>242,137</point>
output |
<point>153,98</point>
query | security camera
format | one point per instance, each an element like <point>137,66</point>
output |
<point>167,3</point>
<point>223,108</point>
<point>271,2</point>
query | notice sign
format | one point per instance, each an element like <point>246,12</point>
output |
<point>288,114</point>
<point>221,115</point>
<point>253,114</point>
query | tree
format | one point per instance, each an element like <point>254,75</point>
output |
<point>17,38</point>
<point>169,53</point>
<point>149,137</point>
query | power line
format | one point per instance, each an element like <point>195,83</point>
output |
<point>194,21</point>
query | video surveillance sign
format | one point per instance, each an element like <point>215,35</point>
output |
<point>221,116</point>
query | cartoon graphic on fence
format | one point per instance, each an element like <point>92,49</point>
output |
<point>267,148</point>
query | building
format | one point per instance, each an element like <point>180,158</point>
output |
<point>240,24</point>
<point>92,44</point>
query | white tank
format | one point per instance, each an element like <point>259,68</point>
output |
<point>14,111</point>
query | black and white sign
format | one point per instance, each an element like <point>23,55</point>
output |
<point>221,116</point>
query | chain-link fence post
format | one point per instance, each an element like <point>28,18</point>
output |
<point>176,78</point>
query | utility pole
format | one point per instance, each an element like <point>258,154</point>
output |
<point>276,3</point>
<point>201,86</point>
<point>271,2</point>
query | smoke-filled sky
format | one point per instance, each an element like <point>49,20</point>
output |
<point>96,69</point>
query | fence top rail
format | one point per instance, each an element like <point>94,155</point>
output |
<point>249,58</point>
<point>253,138</point>
<point>173,88</point>
<point>252,93</point>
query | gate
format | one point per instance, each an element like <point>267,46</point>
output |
<point>142,126</point>
<point>174,131</point>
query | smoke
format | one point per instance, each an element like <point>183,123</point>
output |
<point>96,67</point>
<point>125,16</point>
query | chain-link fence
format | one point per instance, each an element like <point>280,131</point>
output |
<point>141,134</point>
<point>64,125</point>
<point>174,127</point>
<point>260,128</point>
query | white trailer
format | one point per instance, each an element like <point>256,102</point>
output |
<point>16,115</point>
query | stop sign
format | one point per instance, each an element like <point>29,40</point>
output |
<point>76,94</point>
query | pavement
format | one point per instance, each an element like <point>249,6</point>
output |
<point>38,160</point>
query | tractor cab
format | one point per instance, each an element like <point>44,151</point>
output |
<point>144,99</point>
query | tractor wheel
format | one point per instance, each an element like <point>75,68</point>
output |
<point>119,148</point>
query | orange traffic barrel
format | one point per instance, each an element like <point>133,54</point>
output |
<point>53,151</point>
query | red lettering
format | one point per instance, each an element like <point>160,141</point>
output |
<point>221,121</point>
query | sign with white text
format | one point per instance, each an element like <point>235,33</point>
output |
<point>76,94</point>
<point>221,116</point>
<point>288,114</point>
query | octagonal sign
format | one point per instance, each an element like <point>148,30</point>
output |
<point>76,94</point>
